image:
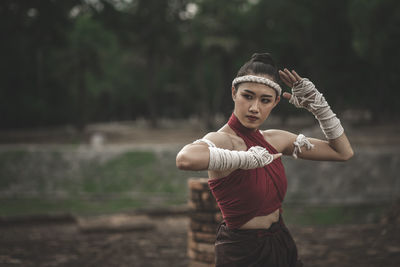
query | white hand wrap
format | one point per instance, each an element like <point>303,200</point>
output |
<point>224,159</point>
<point>305,95</point>
<point>301,140</point>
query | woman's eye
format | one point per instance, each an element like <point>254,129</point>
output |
<point>247,96</point>
<point>266,101</point>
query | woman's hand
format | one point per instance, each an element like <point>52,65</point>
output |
<point>291,79</point>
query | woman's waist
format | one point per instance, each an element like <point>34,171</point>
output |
<point>262,222</point>
<point>260,226</point>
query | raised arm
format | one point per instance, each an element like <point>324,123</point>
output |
<point>304,95</point>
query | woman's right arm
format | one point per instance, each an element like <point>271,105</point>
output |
<point>196,156</point>
<point>221,158</point>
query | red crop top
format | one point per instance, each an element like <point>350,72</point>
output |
<point>245,194</point>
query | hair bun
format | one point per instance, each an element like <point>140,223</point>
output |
<point>263,58</point>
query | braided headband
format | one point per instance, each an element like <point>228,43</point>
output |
<point>257,79</point>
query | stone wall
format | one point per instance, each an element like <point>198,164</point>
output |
<point>371,176</point>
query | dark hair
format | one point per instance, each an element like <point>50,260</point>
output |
<point>259,64</point>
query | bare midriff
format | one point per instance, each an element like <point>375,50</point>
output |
<point>262,222</point>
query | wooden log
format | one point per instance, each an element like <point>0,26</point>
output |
<point>206,216</point>
<point>207,196</point>
<point>201,206</point>
<point>200,256</point>
<point>198,184</point>
<point>203,227</point>
<point>211,203</point>
<point>201,216</point>
<point>194,263</point>
<point>218,217</point>
<point>195,195</point>
<point>201,237</point>
<point>204,219</point>
<point>195,226</point>
<point>201,247</point>
<point>115,223</point>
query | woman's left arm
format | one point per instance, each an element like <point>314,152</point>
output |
<point>305,95</point>
<point>338,149</point>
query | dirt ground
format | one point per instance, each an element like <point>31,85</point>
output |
<point>165,244</point>
<point>66,243</point>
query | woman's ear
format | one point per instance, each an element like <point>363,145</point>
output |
<point>278,98</point>
<point>234,91</point>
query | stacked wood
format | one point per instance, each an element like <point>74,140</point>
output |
<point>204,219</point>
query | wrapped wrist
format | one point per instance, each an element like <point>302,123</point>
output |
<point>224,159</point>
<point>305,95</point>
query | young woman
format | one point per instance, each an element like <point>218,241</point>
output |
<point>246,175</point>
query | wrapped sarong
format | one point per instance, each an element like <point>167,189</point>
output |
<point>256,247</point>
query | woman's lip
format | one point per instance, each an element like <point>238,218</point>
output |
<point>252,118</point>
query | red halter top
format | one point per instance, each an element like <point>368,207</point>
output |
<point>245,194</point>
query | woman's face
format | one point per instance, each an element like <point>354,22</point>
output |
<point>253,103</point>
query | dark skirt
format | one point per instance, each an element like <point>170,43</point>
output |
<point>259,247</point>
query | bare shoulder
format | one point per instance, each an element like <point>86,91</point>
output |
<point>280,139</point>
<point>276,133</point>
<point>226,138</point>
<point>220,139</point>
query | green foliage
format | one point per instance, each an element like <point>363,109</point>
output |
<point>82,61</point>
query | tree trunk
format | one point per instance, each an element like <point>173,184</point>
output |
<point>151,86</point>
<point>80,120</point>
<point>205,112</point>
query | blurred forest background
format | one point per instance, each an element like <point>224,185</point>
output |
<point>128,82</point>
<point>81,61</point>
<point>98,96</point>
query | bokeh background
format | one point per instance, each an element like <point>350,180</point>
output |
<point>98,96</point>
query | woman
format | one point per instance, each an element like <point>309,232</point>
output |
<point>246,175</point>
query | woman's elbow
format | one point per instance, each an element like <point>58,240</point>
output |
<point>193,158</point>
<point>183,162</point>
<point>180,162</point>
<point>349,154</point>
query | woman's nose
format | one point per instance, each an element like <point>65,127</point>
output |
<point>254,106</point>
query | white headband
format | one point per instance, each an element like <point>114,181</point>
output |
<point>257,79</point>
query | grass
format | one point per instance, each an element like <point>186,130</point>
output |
<point>295,215</point>
<point>333,214</point>
<point>64,181</point>
<point>55,182</point>
<point>33,206</point>
<point>128,172</point>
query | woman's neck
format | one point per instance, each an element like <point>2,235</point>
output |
<point>235,122</point>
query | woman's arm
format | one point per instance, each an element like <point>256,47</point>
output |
<point>221,158</point>
<point>338,149</point>
<point>305,95</point>
<point>196,157</point>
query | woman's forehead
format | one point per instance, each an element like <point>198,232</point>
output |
<point>257,88</point>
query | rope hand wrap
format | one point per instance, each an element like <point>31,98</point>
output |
<point>301,140</point>
<point>305,95</point>
<point>224,159</point>
<point>257,79</point>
